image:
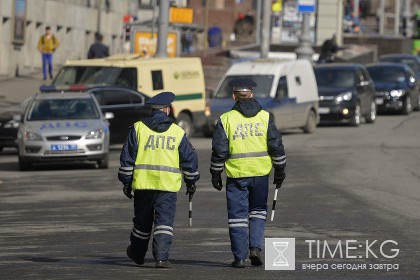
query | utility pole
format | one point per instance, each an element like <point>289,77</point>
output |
<point>206,26</point>
<point>265,34</point>
<point>397,18</point>
<point>163,29</point>
<point>258,23</point>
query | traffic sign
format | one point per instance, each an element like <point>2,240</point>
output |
<point>181,15</point>
<point>306,6</point>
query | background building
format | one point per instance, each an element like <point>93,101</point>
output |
<point>74,23</point>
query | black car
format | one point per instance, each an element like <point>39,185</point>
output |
<point>8,129</point>
<point>127,105</point>
<point>413,61</point>
<point>346,93</point>
<point>8,125</point>
<point>396,87</point>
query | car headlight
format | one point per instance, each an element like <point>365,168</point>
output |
<point>207,111</point>
<point>346,96</point>
<point>11,124</point>
<point>31,136</point>
<point>95,134</point>
<point>397,93</point>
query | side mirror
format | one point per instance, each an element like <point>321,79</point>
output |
<point>363,83</point>
<point>411,82</point>
<point>210,92</point>
<point>17,118</point>
<point>109,115</point>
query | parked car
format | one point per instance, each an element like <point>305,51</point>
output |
<point>286,89</point>
<point>127,105</point>
<point>346,93</point>
<point>9,126</point>
<point>63,127</point>
<point>396,87</point>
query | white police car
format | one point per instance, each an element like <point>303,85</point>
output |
<point>63,127</point>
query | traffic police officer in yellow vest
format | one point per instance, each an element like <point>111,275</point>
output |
<point>154,158</point>
<point>247,143</point>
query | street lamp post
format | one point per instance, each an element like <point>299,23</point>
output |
<point>304,50</point>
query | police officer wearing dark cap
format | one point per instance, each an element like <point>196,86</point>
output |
<point>247,144</point>
<point>154,158</point>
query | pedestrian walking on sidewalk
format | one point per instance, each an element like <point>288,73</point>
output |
<point>247,143</point>
<point>153,160</point>
<point>47,45</point>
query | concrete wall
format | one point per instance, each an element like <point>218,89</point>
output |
<point>330,19</point>
<point>73,23</point>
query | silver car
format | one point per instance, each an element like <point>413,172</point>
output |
<point>63,127</point>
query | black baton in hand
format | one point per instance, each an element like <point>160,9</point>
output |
<point>273,209</point>
<point>190,211</point>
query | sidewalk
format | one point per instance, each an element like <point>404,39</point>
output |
<point>15,90</point>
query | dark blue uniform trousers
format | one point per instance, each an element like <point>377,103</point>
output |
<point>153,208</point>
<point>247,212</point>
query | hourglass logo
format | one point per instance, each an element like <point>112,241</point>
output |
<point>280,254</point>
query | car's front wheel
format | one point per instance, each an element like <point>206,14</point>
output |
<point>371,117</point>
<point>24,165</point>
<point>355,121</point>
<point>185,122</point>
<point>417,108</point>
<point>310,123</point>
<point>406,106</point>
<point>103,163</point>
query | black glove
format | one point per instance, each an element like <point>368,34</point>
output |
<point>190,189</point>
<point>127,191</point>
<point>279,177</point>
<point>216,180</point>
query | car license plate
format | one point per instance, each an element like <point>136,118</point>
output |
<point>63,147</point>
<point>379,101</point>
<point>323,110</point>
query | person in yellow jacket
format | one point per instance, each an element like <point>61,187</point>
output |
<point>47,45</point>
<point>154,158</point>
<point>247,144</point>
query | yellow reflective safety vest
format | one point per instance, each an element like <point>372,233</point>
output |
<point>247,137</point>
<point>157,160</point>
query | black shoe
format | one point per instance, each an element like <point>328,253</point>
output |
<point>238,264</point>
<point>131,255</point>
<point>163,264</point>
<point>255,256</point>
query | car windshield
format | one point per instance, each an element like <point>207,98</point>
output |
<point>96,75</point>
<point>262,89</point>
<point>333,77</point>
<point>62,109</point>
<point>387,74</point>
<point>409,61</point>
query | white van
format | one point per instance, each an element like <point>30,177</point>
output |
<point>286,89</point>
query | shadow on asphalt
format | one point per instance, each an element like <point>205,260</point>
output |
<point>13,166</point>
<point>119,261</point>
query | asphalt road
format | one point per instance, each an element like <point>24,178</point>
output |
<point>72,221</point>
